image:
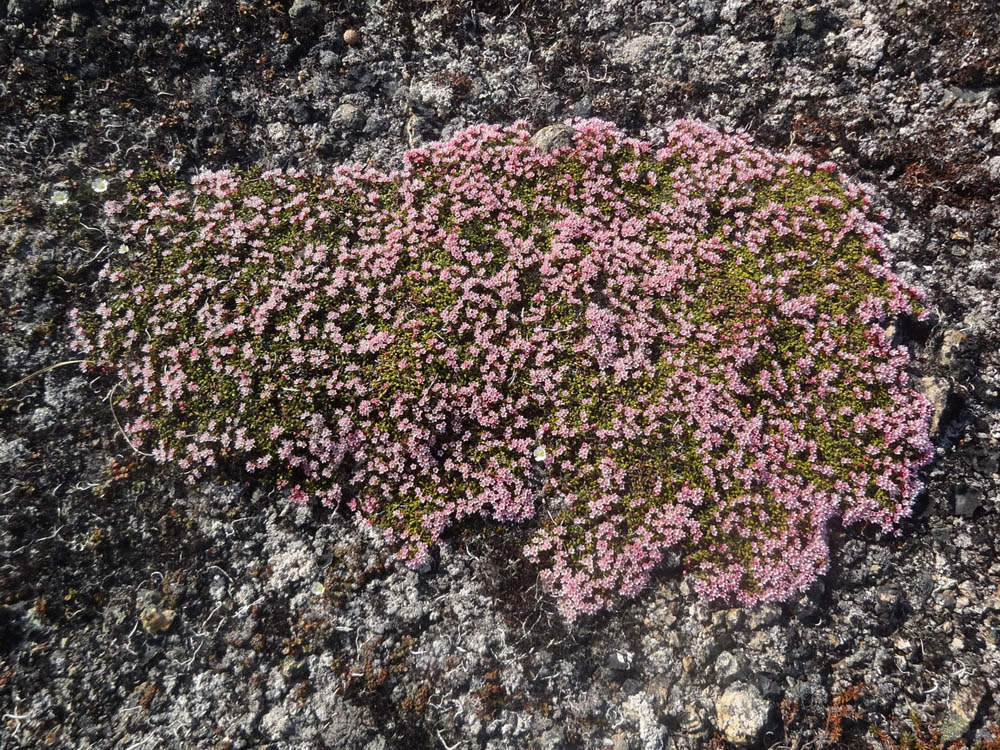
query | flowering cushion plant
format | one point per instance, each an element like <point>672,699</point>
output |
<point>638,347</point>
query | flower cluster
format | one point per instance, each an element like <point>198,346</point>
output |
<point>638,347</point>
<point>61,197</point>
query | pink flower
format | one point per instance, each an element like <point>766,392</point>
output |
<point>625,343</point>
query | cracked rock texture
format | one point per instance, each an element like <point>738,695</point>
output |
<point>136,611</point>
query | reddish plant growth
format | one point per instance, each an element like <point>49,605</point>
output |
<point>638,347</point>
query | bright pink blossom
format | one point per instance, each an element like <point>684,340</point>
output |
<point>639,348</point>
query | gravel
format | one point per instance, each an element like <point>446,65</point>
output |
<point>136,610</point>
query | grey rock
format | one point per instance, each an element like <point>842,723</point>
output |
<point>304,10</point>
<point>727,668</point>
<point>960,98</point>
<point>741,714</point>
<point>768,687</point>
<point>25,10</point>
<point>620,660</point>
<point>639,709</point>
<point>208,90</point>
<point>277,131</point>
<point>12,451</point>
<point>552,739</point>
<point>43,418</point>
<point>329,59</point>
<point>553,138</point>
<point>762,616</point>
<point>376,125</point>
<point>582,108</point>
<point>301,113</point>
<point>636,52</point>
<point>993,167</point>
<point>347,117</point>
<point>707,11</point>
<point>967,499</point>
<point>730,12</point>
<point>866,48</point>
<point>217,589</point>
<point>808,23</point>
<point>431,97</point>
<point>730,619</point>
<point>987,463</point>
<point>786,24</point>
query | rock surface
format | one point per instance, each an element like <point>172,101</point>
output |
<point>741,713</point>
<point>904,95</point>
<point>553,137</point>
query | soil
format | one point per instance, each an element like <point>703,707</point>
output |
<point>136,610</point>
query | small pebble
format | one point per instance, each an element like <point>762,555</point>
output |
<point>352,37</point>
<point>156,620</point>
